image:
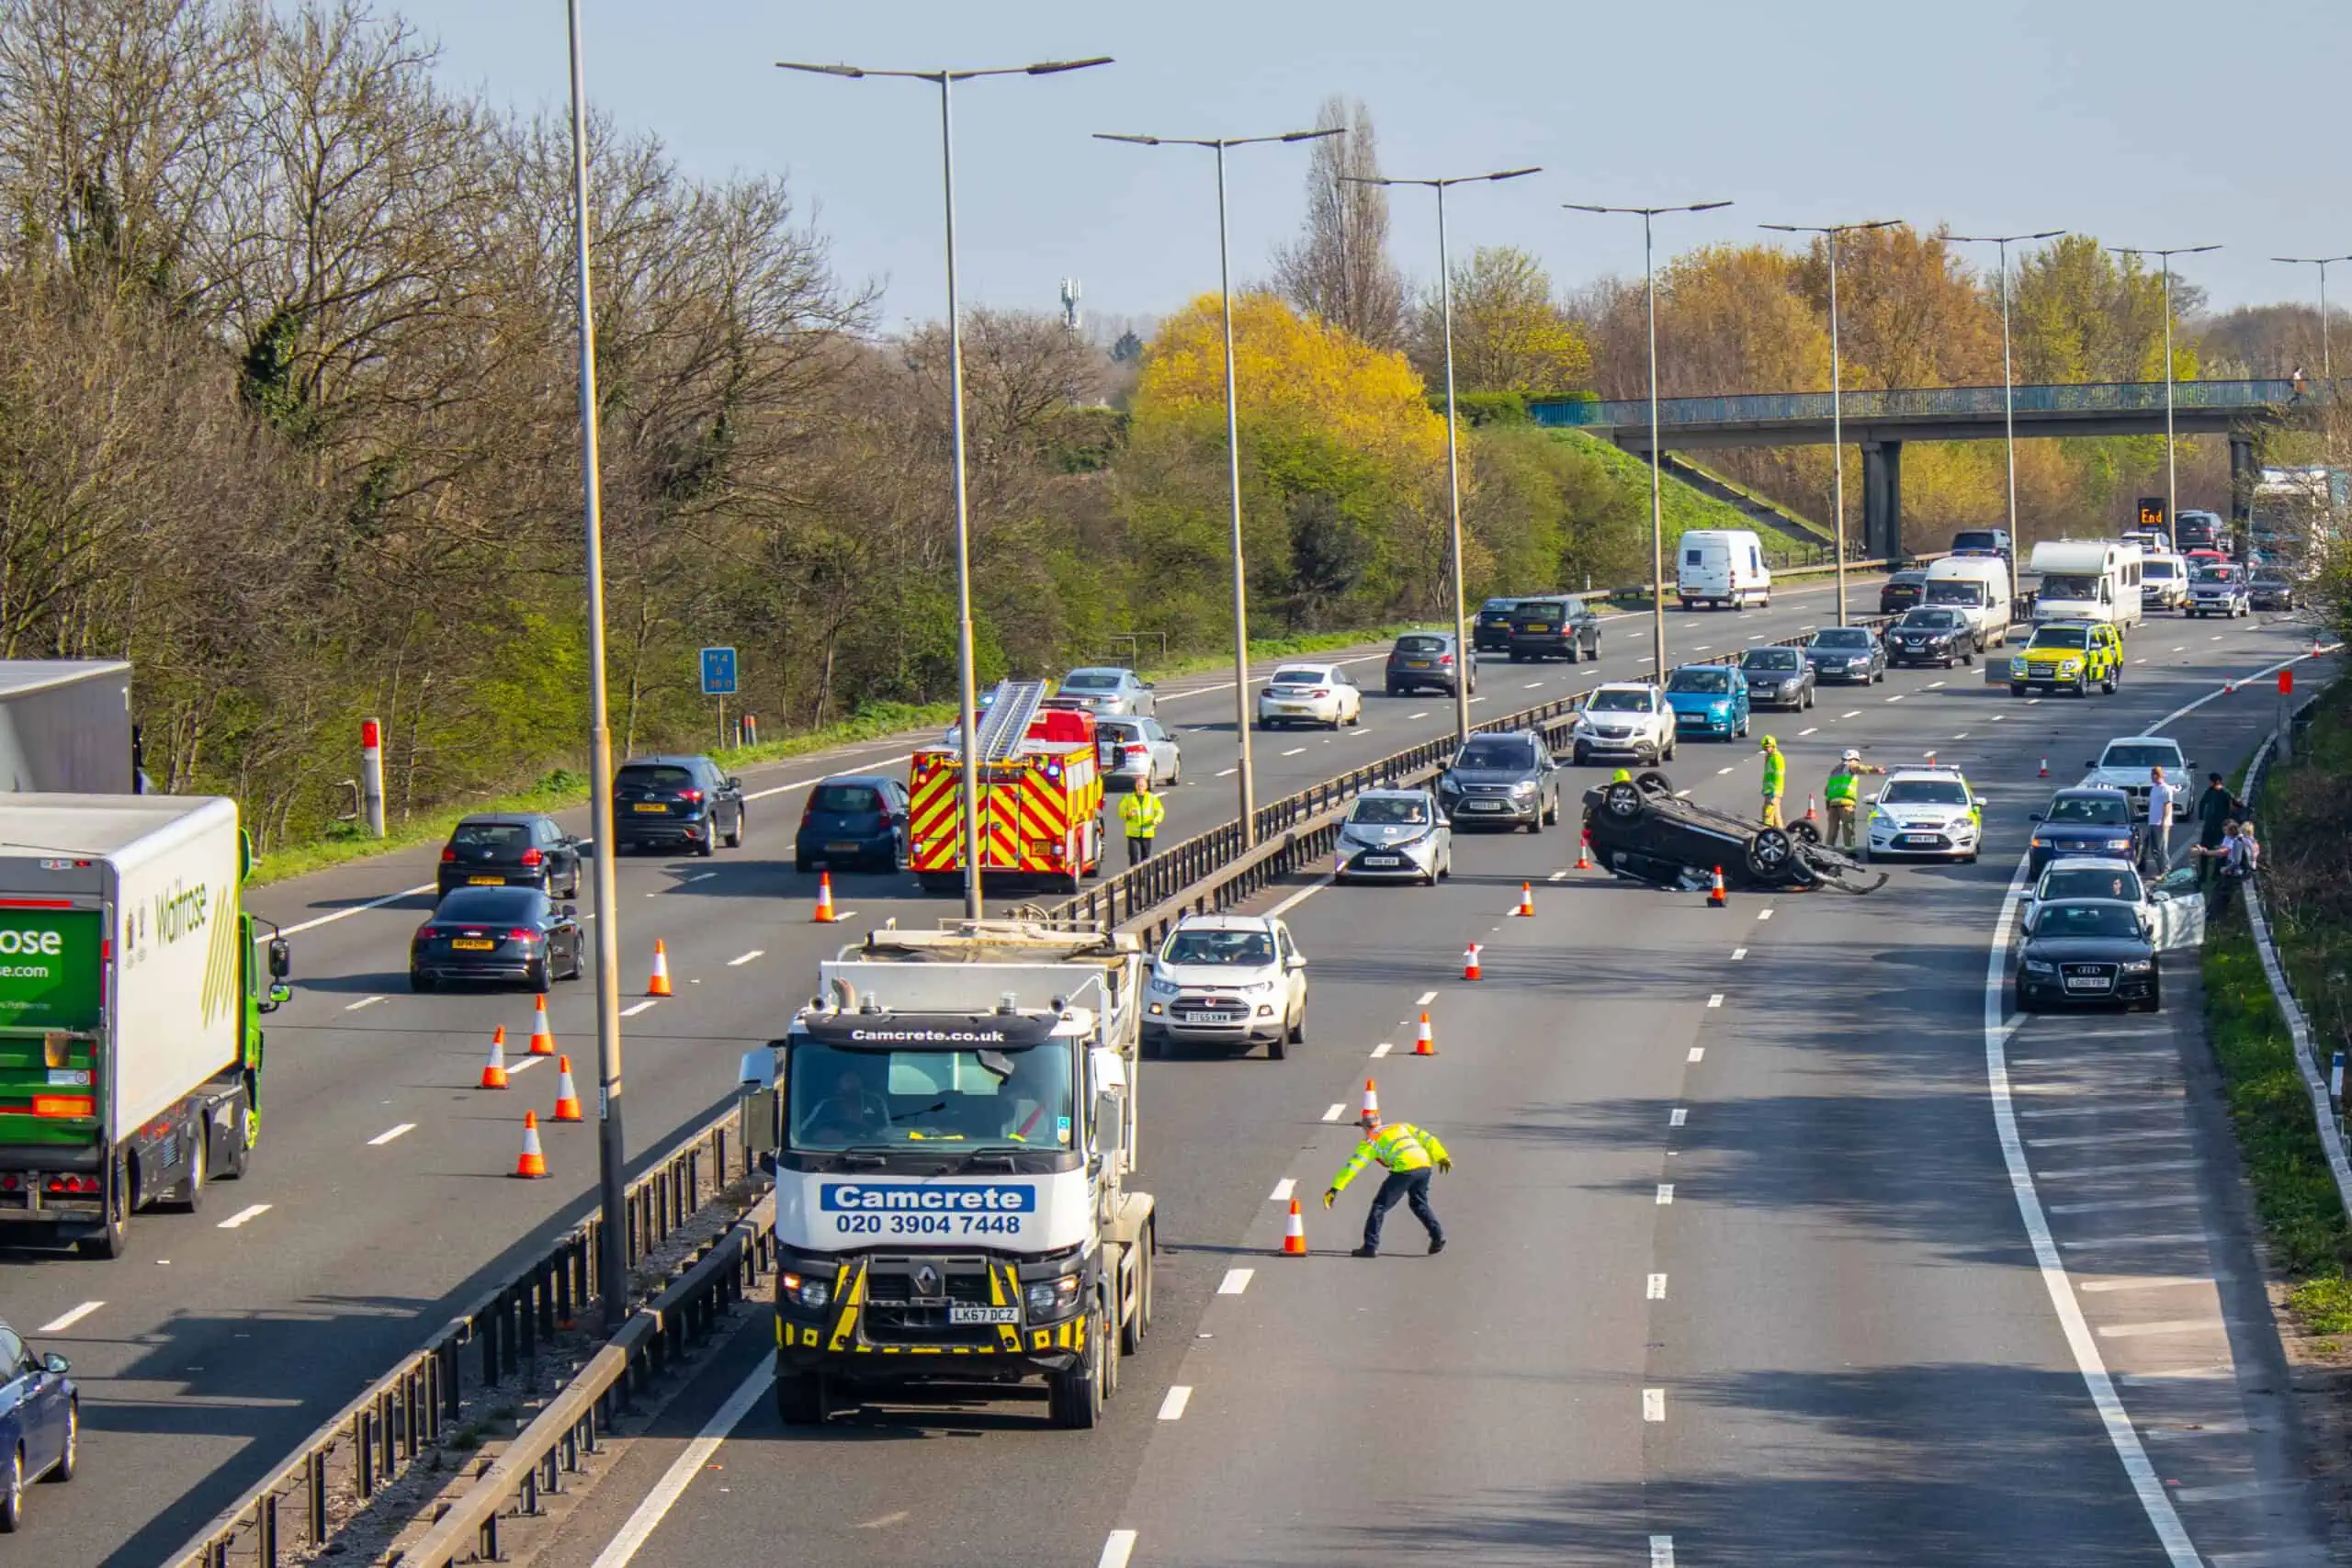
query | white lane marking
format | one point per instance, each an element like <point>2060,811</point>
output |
<point>2162,1238</point>
<point>1653,1404</point>
<point>1802,733</point>
<point>1961,736</point>
<point>1999,717</point>
<point>1657,1291</point>
<point>2215,638</point>
<point>1410,717</point>
<point>1532,684</point>
<point>1116,1550</point>
<point>1236,1280</point>
<point>260,936</point>
<point>386,1136</point>
<point>1294,750</point>
<point>2152,1282</point>
<point>702,876</point>
<point>2169,1326</point>
<point>1721,771</point>
<point>1282,1190</point>
<point>251,1211</point>
<point>804,783</point>
<point>1172,1408</point>
<point>1701,648</point>
<point>1301,896</point>
<point>633,1012</point>
<point>1383,1048</point>
<point>2100,1138</point>
<point>2120,1434</point>
<point>526,1064</point>
<point>1763,914</point>
<point>2124,1167</point>
<point>1475,700</point>
<point>623,1549</point>
<point>2105,1206</point>
<point>1425,998</point>
<point>1228,773</point>
<point>1697,1054</point>
<point>1678,1116</point>
<point>1896,697</point>
<point>1661,1552</point>
<point>1738,954</point>
<point>2182,648</point>
<point>2034,702</point>
<point>1933,684</point>
<point>1716,1000</point>
<point>1665,1193</point>
<point>2139,661</point>
<point>1855,712</point>
<point>739,962</point>
<point>64,1321</point>
<point>1335,1114</point>
<point>363,1002</point>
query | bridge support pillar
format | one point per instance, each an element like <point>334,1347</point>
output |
<point>1882,499</point>
<point>2246,471</point>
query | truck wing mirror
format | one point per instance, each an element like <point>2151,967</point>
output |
<point>760,1114</point>
<point>1108,1124</point>
<point>281,958</point>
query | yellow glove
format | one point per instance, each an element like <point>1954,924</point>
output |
<point>1445,1168</point>
<point>1330,1196</point>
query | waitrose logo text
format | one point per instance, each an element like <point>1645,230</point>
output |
<point>16,943</point>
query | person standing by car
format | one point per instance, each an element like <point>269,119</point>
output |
<point>2215,809</point>
<point>1407,1153</point>
<point>2236,857</point>
<point>1140,813</point>
<point>1775,781</point>
<point>2163,796</point>
<point>1843,793</point>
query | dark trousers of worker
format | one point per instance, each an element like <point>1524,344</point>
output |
<point>1138,849</point>
<point>2211,839</point>
<point>1413,1188</point>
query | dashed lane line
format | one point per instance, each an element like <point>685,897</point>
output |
<point>1664,1193</point>
<point>245,1215</point>
<point>1294,750</point>
<point>1653,1404</point>
<point>66,1320</point>
<point>1335,1114</point>
<point>1425,998</point>
<point>386,1136</point>
<point>1171,1408</point>
<point>1657,1291</point>
<point>365,1002</point>
<point>1383,1048</point>
<point>1236,1280</point>
<point>1813,730</point>
<point>1678,1116</point>
<point>1855,712</point>
<point>1697,1054</point>
<point>2168,1325</point>
<point>1282,1190</point>
<point>738,962</point>
<point>1228,773</point>
<point>1738,954</point>
<point>633,1012</point>
<point>1116,1550</point>
<point>1661,1552</point>
<point>1716,1000</point>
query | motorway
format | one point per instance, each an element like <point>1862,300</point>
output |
<point>380,1201</point>
<point>1773,1240</point>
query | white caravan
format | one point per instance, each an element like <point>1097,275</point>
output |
<point>2087,579</point>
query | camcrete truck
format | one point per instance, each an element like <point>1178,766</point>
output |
<point>131,1004</point>
<point>65,726</point>
<point>953,1127</point>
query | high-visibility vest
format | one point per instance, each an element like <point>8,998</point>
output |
<point>1776,772</point>
<point>1141,814</point>
<point>1843,789</point>
<point>1399,1145</point>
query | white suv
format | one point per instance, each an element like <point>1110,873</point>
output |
<point>1927,812</point>
<point>1623,719</point>
<point>1232,981</point>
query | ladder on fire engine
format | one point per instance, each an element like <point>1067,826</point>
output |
<point>1006,723</point>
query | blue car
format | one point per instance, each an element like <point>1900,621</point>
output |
<point>1708,699</point>
<point>41,1422</point>
<point>2086,821</point>
<point>852,822</point>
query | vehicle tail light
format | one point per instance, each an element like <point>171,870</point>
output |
<point>64,1105</point>
<point>532,857</point>
<point>12,1184</point>
<point>1320,692</point>
<point>888,819</point>
<point>447,855</point>
<point>522,934</point>
<point>426,933</point>
<point>72,1184</point>
<point>1137,751</point>
<point>808,813</point>
<point>1445,658</point>
<point>691,797</point>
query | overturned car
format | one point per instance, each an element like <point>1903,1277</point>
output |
<point>1642,831</point>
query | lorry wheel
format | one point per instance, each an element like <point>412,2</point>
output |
<point>1132,1332</point>
<point>240,1140</point>
<point>189,1196</point>
<point>114,1240</point>
<point>800,1398</point>
<point>1074,1398</point>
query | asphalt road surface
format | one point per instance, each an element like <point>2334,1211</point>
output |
<point>1773,1240</point>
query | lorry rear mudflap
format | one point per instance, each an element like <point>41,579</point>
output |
<point>956,1317</point>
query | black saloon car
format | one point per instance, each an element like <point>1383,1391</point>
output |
<point>1553,629</point>
<point>2087,951</point>
<point>1901,590</point>
<point>676,802</point>
<point>1846,653</point>
<point>496,933</point>
<point>1932,634</point>
<point>1491,632</point>
<point>2090,821</point>
<point>498,850</point>
<point>1778,678</point>
<point>1425,662</point>
<point>1503,781</point>
<point>852,821</point>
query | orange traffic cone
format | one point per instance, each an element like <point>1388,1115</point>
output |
<point>1425,1043</point>
<point>1470,962</point>
<point>1808,810</point>
<point>659,985</point>
<point>2045,769</point>
<point>2229,688</point>
<point>1526,900</point>
<point>542,1037</point>
<point>1716,899</point>
<point>1371,1100</point>
<point>1584,850</point>
<point>493,1072</point>
<point>1295,1233</point>
<point>824,898</point>
<point>534,1163</point>
<point>566,1098</point>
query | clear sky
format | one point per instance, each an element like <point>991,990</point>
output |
<point>2146,122</point>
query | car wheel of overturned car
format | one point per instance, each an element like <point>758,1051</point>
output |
<point>1622,800</point>
<point>1801,828</point>
<point>1649,781</point>
<point>1770,852</point>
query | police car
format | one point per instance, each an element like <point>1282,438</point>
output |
<point>1926,811</point>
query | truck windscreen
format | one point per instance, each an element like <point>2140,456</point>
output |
<point>943,1101</point>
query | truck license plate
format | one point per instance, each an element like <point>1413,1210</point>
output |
<point>983,1315</point>
<point>472,944</point>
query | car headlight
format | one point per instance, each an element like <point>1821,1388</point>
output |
<point>2139,965</point>
<point>2072,662</point>
<point>1159,987</point>
<point>1524,787</point>
<point>2036,966</point>
<point>2042,844</point>
<point>1255,987</point>
<point>1052,1297</point>
<point>806,1291</point>
<point>1881,817</point>
<point>1447,785</point>
<point>1790,684</point>
<point>2118,843</point>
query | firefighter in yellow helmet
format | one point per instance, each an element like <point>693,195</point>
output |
<point>1620,776</point>
<point>1407,1153</point>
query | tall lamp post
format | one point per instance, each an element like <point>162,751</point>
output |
<point>1836,384</point>
<point>967,701</point>
<point>2172,461</point>
<point>2326,360</point>
<point>2009,378</point>
<point>1462,650</point>
<point>1657,516</point>
<point>612,1236</point>
<point>1232,438</point>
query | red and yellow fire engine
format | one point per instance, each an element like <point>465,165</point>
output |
<point>1040,798</point>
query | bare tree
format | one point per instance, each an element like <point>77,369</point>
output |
<point>1339,269</point>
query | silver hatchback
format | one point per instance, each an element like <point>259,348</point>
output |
<point>1393,835</point>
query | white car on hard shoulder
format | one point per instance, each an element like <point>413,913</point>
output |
<point>1228,981</point>
<point>1926,811</point>
<point>1310,693</point>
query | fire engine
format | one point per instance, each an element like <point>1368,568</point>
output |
<point>1040,797</point>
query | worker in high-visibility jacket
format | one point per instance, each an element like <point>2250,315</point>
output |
<point>1141,813</point>
<point>1407,1153</point>
<point>1843,795</point>
<point>1775,781</point>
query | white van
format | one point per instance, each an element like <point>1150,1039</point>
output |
<point>2164,581</point>
<point>2087,579</point>
<point>1978,587</point>
<point>1720,566</point>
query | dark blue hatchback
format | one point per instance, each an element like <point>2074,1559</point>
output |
<point>852,822</point>
<point>41,1422</point>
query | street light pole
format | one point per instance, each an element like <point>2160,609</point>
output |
<point>968,701</point>
<point>1232,441</point>
<point>2009,378</point>
<point>1837,385</point>
<point>1657,512</point>
<point>612,1235</point>
<point>2172,459</point>
<point>1462,650</point>
<point>2326,360</point>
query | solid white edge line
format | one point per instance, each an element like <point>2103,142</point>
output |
<point>641,1524</point>
<point>1171,1408</point>
<point>1116,1548</point>
<point>64,1321</point>
<point>261,936</point>
<point>1301,896</point>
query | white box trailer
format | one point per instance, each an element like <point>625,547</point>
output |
<point>129,1000</point>
<point>65,727</point>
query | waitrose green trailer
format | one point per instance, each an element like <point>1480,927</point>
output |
<point>131,990</point>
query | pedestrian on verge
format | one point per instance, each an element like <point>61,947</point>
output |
<point>1775,781</point>
<point>2215,809</point>
<point>1141,813</point>
<point>2234,859</point>
<point>1407,1153</point>
<point>1843,793</point>
<point>2163,795</point>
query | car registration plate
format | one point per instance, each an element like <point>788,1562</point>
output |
<point>1482,806</point>
<point>472,944</point>
<point>650,805</point>
<point>1919,841</point>
<point>1384,860</point>
<point>2088,982</point>
<point>1212,1018</point>
<point>983,1315</point>
<point>486,881</point>
<point>842,849</point>
<point>1416,664</point>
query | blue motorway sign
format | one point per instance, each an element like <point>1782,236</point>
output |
<point>718,672</point>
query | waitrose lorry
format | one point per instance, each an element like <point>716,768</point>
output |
<point>131,1004</point>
